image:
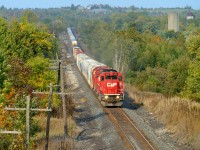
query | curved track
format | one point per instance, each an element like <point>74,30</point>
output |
<point>132,136</point>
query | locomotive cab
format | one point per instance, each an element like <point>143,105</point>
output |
<point>111,87</point>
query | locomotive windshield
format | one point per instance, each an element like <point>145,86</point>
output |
<point>108,70</point>
<point>111,77</point>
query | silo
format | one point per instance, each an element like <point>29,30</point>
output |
<point>173,21</point>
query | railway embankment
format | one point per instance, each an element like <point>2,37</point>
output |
<point>87,104</point>
<point>148,123</point>
<point>175,117</point>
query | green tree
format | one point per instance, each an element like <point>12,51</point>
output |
<point>23,50</point>
<point>29,16</point>
<point>24,40</point>
<point>58,25</point>
<point>17,73</point>
<point>3,30</point>
<point>192,89</point>
<point>152,79</point>
<point>2,74</point>
<point>40,76</point>
<point>178,72</point>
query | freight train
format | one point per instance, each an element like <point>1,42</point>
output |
<point>105,81</point>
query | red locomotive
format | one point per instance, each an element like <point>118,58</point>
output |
<point>105,81</point>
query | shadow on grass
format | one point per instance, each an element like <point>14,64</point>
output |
<point>129,103</point>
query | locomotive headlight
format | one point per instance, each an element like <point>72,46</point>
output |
<point>117,97</point>
<point>106,97</point>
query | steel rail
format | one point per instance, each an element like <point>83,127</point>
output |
<point>127,138</point>
<point>138,130</point>
<point>112,112</point>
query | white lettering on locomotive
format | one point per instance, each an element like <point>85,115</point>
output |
<point>111,84</point>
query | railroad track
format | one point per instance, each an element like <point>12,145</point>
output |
<point>130,134</point>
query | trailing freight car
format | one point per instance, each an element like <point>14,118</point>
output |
<point>76,50</point>
<point>73,41</point>
<point>105,81</point>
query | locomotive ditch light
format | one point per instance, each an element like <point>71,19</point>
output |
<point>106,97</point>
<point>117,97</point>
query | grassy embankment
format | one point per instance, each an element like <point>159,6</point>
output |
<point>181,116</point>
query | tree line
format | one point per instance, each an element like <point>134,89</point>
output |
<point>136,43</point>
<point>25,50</point>
<point>151,57</point>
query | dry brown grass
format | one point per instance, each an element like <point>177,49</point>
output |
<point>181,116</point>
<point>57,145</point>
<point>56,131</point>
<point>56,126</point>
<point>56,140</point>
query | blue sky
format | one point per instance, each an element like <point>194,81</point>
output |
<point>62,3</point>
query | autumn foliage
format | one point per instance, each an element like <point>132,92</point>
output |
<point>24,60</point>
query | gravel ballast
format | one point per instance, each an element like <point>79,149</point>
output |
<point>95,130</point>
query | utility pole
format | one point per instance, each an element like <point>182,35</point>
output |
<point>62,93</point>
<point>48,116</point>
<point>59,64</point>
<point>63,100</point>
<point>27,109</point>
<point>27,122</point>
<point>49,105</point>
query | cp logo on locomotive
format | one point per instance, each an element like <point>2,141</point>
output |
<point>111,84</point>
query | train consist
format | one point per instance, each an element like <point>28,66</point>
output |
<point>105,81</point>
